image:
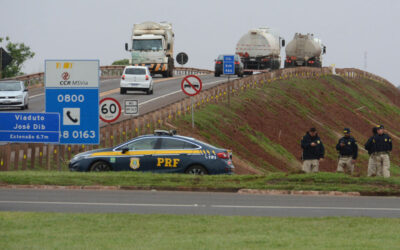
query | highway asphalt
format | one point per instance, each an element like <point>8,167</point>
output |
<point>166,91</point>
<point>198,203</point>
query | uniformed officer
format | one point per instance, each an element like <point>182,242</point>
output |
<point>313,151</point>
<point>372,168</point>
<point>381,145</point>
<point>348,152</point>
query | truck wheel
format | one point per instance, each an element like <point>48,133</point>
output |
<point>122,91</point>
<point>216,74</point>
<point>165,74</point>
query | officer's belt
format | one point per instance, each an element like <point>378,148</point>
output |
<point>345,156</point>
<point>381,153</point>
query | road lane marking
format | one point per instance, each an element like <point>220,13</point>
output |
<point>297,207</point>
<point>99,204</point>
<point>113,91</point>
<point>33,96</point>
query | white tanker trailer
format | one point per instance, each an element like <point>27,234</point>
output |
<point>304,50</point>
<point>260,49</point>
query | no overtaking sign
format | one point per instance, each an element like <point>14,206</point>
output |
<point>191,85</point>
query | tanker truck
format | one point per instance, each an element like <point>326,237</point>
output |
<point>153,46</point>
<point>304,50</point>
<point>260,49</point>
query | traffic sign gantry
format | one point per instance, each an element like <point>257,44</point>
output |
<point>30,127</point>
<point>191,85</point>
<point>72,90</point>
<point>110,109</point>
<point>229,64</point>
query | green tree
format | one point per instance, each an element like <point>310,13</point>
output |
<point>121,62</point>
<point>19,53</point>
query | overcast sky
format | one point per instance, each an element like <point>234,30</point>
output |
<point>95,29</point>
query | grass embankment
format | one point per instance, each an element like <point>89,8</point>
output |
<point>281,181</point>
<point>128,231</point>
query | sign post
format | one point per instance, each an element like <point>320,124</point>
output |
<point>72,90</point>
<point>229,69</point>
<point>191,85</point>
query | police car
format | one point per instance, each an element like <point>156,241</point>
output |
<point>162,152</point>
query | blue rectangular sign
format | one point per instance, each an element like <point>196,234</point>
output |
<point>229,65</point>
<point>30,127</point>
<point>79,113</point>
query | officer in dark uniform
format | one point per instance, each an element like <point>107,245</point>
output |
<point>348,152</point>
<point>380,145</point>
<point>313,151</point>
<point>372,170</point>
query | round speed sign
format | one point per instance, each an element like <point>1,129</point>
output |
<point>110,109</point>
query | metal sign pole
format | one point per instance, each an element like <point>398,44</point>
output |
<point>229,91</point>
<point>1,63</point>
<point>192,112</point>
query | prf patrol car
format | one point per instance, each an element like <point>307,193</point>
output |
<point>163,152</point>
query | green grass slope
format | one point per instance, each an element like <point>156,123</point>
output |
<point>264,125</point>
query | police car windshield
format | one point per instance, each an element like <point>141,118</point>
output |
<point>10,86</point>
<point>135,71</point>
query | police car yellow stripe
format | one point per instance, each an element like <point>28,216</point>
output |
<point>146,152</point>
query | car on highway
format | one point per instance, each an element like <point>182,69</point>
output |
<point>14,94</point>
<point>161,152</point>
<point>219,64</point>
<point>136,78</point>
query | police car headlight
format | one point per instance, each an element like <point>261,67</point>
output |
<point>79,157</point>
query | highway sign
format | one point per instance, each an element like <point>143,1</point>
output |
<point>229,64</point>
<point>182,58</point>
<point>131,107</point>
<point>30,127</point>
<point>110,109</point>
<point>191,85</point>
<point>72,90</point>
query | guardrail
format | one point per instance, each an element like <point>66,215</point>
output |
<point>45,156</point>
<point>107,72</point>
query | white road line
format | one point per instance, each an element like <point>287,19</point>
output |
<point>178,91</point>
<point>33,96</point>
<point>98,204</point>
<point>320,208</point>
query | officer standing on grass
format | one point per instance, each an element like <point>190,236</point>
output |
<point>381,146</point>
<point>372,169</point>
<point>348,152</point>
<point>313,151</point>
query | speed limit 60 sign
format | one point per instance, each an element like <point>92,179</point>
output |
<point>110,110</point>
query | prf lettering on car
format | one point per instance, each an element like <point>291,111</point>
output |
<point>167,162</point>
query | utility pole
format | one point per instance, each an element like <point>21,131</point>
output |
<point>365,60</point>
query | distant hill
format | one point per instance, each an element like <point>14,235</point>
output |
<point>264,126</point>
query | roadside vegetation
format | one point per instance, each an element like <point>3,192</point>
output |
<point>20,230</point>
<point>278,181</point>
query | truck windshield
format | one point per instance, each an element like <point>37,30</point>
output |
<point>150,44</point>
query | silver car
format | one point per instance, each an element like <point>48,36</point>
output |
<point>136,78</point>
<point>14,94</point>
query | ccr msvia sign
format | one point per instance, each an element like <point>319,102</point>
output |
<point>30,127</point>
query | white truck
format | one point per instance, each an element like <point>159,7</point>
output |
<point>260,49</point>
<point>153,47</point>
<point>304,50</point>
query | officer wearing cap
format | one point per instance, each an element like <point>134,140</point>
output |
<point>313,151</point>
<point>372,169</point>
<point>380,146</point>
<point>348,152</point>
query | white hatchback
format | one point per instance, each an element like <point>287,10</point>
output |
<point>14,94</point>
<point>136,78</point>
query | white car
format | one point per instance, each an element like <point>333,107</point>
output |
<point>14,94</point>
<point>136,78</point>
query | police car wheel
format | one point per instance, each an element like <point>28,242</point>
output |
<point>100,166</point>
<point>196,170</point>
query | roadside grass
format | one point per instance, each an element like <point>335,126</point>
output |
<point>283,181</point>
<point>20,230</point>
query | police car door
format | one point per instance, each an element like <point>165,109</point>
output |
<point>174,155</point>
<point>138,154</point>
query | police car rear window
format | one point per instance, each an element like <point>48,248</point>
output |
<point>168,143</point>
<point>135,71</point>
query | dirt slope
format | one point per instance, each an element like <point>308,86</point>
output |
<point>263,126</point>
